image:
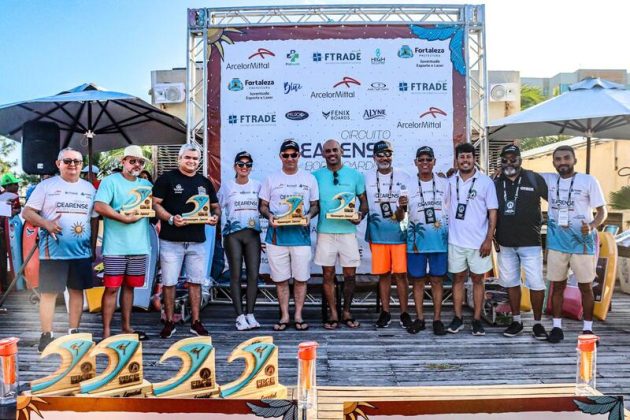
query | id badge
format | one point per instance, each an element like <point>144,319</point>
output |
<point>461,211</point>
<point>429,215</point>
<point>510,208</point>
<point>386,210</point>
<point>563,217</point>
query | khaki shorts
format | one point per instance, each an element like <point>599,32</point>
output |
<point>331,245</point>
<point>558,264</point>
<point>286,262</point>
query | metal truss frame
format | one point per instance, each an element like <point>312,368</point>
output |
<point>471,16</point>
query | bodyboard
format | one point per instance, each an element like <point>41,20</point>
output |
<point>606,269</point>
<point>142,295</point>
<point>14,249</point>
<point>31,270</point>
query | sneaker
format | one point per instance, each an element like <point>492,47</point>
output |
<point>405,320</point>
<point>44,340</point>
<point>556,335</point>
<point>438,328</point>
<point>587,332</point>
<point>73,331</point>
<point>241,323</point>
<point>416,326</point>
<point>456,325</point>
<point>168,330</point>
<point>477,328</point>
<point>539,332</point>
<point>251,320</point>
<point>384,320</point>
<point>198,329</point>
<point>514,329</point>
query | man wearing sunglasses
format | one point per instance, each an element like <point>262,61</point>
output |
<point>289,247</point>
<point>384,233</point>
<point>336,238</point>
<point>518,234</point>
<point>182,244</point>
<point>126,242</point>
<point>62,207</point>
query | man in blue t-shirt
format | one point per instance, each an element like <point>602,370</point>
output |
<point>338,185</point>
<point>126,242</point>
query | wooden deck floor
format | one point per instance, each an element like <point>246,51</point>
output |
<point>367,356</point>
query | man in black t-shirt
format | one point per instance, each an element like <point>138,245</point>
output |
<point>518,233</point>
<point>182,243</point>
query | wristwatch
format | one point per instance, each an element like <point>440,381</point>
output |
<point>171,220</point>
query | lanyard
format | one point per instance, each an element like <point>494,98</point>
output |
<point>469,190</point>
<point>422,202</point>
<point>378,186</point>
<point>520,177</point>
<point>570,190</point>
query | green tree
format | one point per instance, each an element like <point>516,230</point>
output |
<point>620,200</point>
<point>530,96</point>
<point>107,161</point>
<point>6,147</point>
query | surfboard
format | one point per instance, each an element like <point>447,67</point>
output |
<point>14,230</point>
<point>142,295</point>
<point>606,270</point>
<point>29,240</point>
<point>94,296</point>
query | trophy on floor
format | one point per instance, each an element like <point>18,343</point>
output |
<point>346,209</point>
<point>123,375</point>
<point>295,214</point>
<point>259,380</point>
<point>201,212</point>
<point>77,365</point>
<point>196,376</point>
<point>140,203</point>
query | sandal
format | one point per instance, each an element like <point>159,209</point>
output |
<point>301,326</point>
<point>280,326</point>
<point>331,324</point>
<point>351,323</point>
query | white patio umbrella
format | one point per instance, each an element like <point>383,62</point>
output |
<point>591,108</point>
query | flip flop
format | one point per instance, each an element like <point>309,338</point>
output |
<point>351,323</point>
<point>280,326</point>
<point>301,326</point>
<point>331,324</point>
<point>142,336</point>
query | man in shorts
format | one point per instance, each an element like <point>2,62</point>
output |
<point>388,241</point>
<point>182,243</point>
<point>571,235</point>
<point>472,219</point>
<point>126,242</point>
<point>289,246</point>
<point>336,238</point>
<point>62,207</point>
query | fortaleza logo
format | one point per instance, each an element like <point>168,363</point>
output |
<point>255,89</point>
<point>253,119</point>
<point>337,115</point>
<point>405,52</point>
<point>429,116</point>
<point>378,58</point>
<point>235,85</point>
<point>259,56</point>
<point>296,115</point>
<point>423,87</point>
<point>425,51</point>
<point>343,83</point>
<point>374,114</point>
<point>337,57</point>
<point>291,87</point>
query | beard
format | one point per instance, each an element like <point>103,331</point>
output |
<point>383,165</point>
<point>510,170</point>
<point>135,172</point>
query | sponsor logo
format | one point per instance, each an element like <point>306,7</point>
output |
<point>425,51</point>
<point>293,58</point>
<point>405,52</point>
<point>178,189</point>
<point>337,115</point>
<point>291,87</point>
<point>423,87</point>
<point>337,57</point>
<point>296,115</point>
<point>430,122</point>
<point>235,85</point>
<point>347,81</point>
<point>378,58</point>
<point>375,135</point>
<point>374,114</point>
<point>378,87</point>
<point>253,119</point>
<point>433,111</point>
<point>262,53</point>
<point>259,54</point>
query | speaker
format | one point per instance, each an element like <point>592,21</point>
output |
<point>40,147</point>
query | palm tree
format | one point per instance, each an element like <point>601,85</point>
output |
<point>620,200</point>
<point>418,233</point>
<point>231,226</point>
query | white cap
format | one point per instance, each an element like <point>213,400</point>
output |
<point>133,151</point>
<point>95,169</point>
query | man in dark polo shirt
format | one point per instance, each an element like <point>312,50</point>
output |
<point>518,233</point>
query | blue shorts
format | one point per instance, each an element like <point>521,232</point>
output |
<point>417,264</point>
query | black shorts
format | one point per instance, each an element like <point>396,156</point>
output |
<point>55,275</point>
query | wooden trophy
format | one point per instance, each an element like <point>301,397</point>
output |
<point>259,380</point>
<point>201,212</point>
<point>196,377</point>
<point>123,375</point>
<point>295,214</point>
<point>140,203</point>
<point>77,365</point>
<point>346,209</point>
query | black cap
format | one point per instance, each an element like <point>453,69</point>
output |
<point>382,146</point>
<point>241,155</point>
<point>425,150</point>
<point>511,148</point>
<point>289,144</point>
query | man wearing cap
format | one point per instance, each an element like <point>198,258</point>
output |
<point>182,243</point>
<point>384,233</point>
<point>336,238</point>
<point>427,237</point>
<point>62,207</point>
<point>472,219</point>
<point>518,234</point>
<point>10,184</point>
<point>288,247</point>
<point>91,176</point>
<point>126,242</point>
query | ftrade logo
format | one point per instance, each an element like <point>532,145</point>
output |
<point>337,115</point>
<point>262,53</point>
<point>253,119</point>
<point>235,85</point>
<point>374,114</point>
<point>424,87</point>
<point>347,81</point>
<point>291,87</point>
<point>405,52</point>
<point>293,58</point>
<point>433,111</point>
<point>337,57</point>
<point>296,115</point>
<point>378,58</point>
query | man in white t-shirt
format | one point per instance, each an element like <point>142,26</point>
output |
<point>571,234</point>
<point>472,218</point>
<point>62,207</point>
<point>288,247</point>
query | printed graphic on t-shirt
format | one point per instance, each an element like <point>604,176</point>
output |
<point>240,206</point>
<point>422,236</point>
